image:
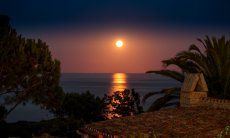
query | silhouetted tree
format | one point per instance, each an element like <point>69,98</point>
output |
<point>212,59</point>
<point>123,103</point>
<point>83,106</point>
<point>27,70</point>
<point>3,112</point>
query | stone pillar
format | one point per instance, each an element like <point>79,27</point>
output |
<point>191,99</point>
<point>193,90</point>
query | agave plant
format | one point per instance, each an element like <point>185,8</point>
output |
<point>212,58</point>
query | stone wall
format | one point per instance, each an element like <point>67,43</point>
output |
<point>215,103</point>
<point>193,99</point>
<point>194,93</point>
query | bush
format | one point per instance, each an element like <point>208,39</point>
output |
<point>83,106</point>
<point>28,71</point>
<point>123,103</point>
<point>54,127</point>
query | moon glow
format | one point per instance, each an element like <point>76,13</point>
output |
<point>119,43</point>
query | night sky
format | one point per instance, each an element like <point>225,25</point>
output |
<point>81,33</point>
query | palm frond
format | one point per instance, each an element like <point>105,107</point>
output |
<point>208,42</point>
<point>213,61</point>
<point>195,48</point>
<point>160,102</point>
<point>182,63</point>
<point>167,91</point>
<point>172,104</point>
<point>146,96</point>
<point>170,90</point>
<point>170,73</point>
<point>202,42</point>
<point>196,58</point>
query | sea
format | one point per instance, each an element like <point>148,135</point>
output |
<point>98,84</point>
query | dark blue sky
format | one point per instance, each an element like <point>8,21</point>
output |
<point>82,33</point>
<point>135,12</point>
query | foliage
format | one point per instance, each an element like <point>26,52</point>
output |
<point>225,132</point>
<point>65,127</point>
<point>76,110</point>
<point>213,62</point>
<point>3,112</point>
<point>83,106</point>
<point>27,70</point>
<point>164,101</point>
<point>212,59</point>
<point>123,103</point>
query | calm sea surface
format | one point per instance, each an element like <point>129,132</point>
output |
<point>98,84</point>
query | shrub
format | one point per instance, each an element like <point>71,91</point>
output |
<point>123,103</point>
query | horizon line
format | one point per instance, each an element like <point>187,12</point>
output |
<point>102,72</point>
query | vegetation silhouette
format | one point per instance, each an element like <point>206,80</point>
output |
<point>212,59</point>
<point>27,71</point>
<point>84,106</point>
<point>123,103</point>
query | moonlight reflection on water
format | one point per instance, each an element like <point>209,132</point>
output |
<point>119,82</point>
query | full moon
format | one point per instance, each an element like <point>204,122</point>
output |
<point>119,43</point>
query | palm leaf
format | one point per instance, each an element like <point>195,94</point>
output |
<point>160,102</point>
<point>149,95</point>
<point>167,91</point>
<point>213,62</point>
<point>195,48</point>
<point>169,73</point>
<point>202,42</point>
<point>182,63</point>
<point>197,59</point>
<point>172,104</point>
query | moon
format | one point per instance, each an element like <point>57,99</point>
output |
<point>119,43</point>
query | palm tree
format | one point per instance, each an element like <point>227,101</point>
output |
<point>212,58</point>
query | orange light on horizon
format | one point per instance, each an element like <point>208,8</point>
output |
<point>119,78</point>
<point>119,82</point>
